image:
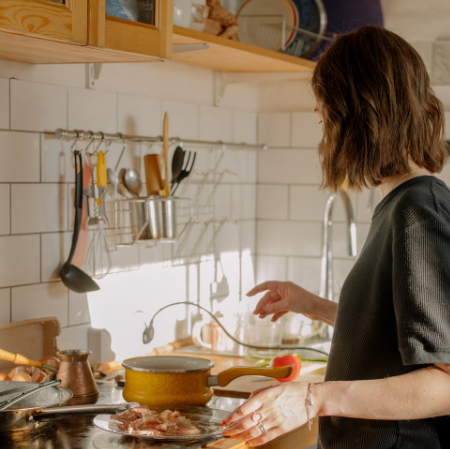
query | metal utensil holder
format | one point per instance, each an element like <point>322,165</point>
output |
<point>151,219</point>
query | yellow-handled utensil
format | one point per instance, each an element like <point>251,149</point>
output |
<point>20,359</point>
<point>102,177</point>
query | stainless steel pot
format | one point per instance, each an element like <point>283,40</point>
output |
<point>26,415</point>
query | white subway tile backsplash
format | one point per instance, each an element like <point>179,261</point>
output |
<point>4,103</point>
<point>245,127</point>
<point>247,237</point>
<point>35,301</point>
<point>363,207</point>
<point>54,252</point>
<point>57,161</point>
<point>216,123</point>
<point>38,208</point>
<point>280,238</point>
<point>306,131</point>
<point>222,202</point>
<point>308,203</point>
<point>289,167</point>
<point>139,116</point>
<point>38,107</point>
<point>4,209</point>
<point>19,153</point>
<point>252,166</point>
<point>270,268</point>
<point>78,308</point>
<point>74,337</point>
<point>305,272</point>
<point>5,306</point>
<point>341,269</point>
<point>183,119</point>
<point>273,202</point>
<point>227,239</point>
<point>19,260</point>
<point>274,129</point>
<point>243,205</point>
<point>234,164</point>
<point>93,110</point>
<point>340,241</point>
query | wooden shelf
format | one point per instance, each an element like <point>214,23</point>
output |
<point>233,56</point>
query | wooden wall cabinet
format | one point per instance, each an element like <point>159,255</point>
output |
<point>79,31</point>
<point>152,38</point>
<point>62,20</point>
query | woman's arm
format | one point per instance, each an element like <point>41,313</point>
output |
<point>421,394</point>
<point>284,297</point>
<point>424,393</point>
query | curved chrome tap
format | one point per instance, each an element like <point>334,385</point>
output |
<point>326,277</point>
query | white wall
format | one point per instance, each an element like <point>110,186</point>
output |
<point>36,188</point>
<point>275,197</point>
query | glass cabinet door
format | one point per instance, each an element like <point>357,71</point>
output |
<point>142,11</point>
<point>143,27</point>
<point>62,20</point>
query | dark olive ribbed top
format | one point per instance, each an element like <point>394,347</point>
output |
<point>394,313</point>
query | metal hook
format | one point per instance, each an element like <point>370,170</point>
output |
<point>102,139</point>
<point>124,146</point>
<point>87,155</point>
<point>80,136</point>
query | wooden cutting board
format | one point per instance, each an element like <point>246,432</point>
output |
<point>244,386</point>
<point>301,438</point>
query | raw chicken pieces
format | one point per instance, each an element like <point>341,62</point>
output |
<point>142,421</point>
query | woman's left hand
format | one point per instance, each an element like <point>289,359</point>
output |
<point>269,413</point>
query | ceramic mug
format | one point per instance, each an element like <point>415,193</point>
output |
<point>208,334</point>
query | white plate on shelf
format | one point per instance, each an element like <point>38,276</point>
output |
<point>207,419</point>
<point>261,23</point>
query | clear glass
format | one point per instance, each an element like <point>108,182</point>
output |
<point>142,11</point>
<point>206,419</point>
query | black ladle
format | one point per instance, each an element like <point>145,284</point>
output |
<point>74,278</point>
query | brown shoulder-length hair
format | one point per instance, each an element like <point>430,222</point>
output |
<point>378,109</point>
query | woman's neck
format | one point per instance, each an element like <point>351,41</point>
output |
<point>389,184</point>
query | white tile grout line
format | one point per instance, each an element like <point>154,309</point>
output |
<point>10,103</point>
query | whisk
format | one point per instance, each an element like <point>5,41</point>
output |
<point>98,260</point>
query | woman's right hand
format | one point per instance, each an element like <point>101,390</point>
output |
<point>284,297</point>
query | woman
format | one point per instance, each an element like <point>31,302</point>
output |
<point>388,376</point>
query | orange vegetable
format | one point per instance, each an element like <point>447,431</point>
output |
<point>288,360</point>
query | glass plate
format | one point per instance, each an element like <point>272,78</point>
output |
<point>207,419</point>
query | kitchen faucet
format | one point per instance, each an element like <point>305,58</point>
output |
<point>326,275</point>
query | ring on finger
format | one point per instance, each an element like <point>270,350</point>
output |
<point>262,429</point>
<point>256,417</point>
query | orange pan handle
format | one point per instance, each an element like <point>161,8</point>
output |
<point>225,377</point>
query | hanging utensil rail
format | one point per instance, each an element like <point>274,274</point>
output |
<point>90,135</point>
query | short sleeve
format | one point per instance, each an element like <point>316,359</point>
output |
<point>421,291</point>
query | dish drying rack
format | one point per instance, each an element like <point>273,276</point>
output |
<point>163,210</point>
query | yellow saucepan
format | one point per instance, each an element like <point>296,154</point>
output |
<point>173,380</point>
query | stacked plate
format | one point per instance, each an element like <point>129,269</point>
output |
<point>294,27</point>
